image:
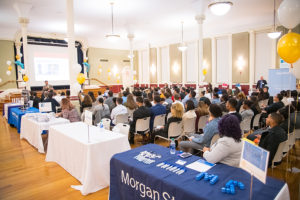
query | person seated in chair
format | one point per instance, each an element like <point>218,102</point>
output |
<point>53,102</point>
<point>274,106</point>
<point>231,107</point>
<point>228,148</point>
<point>271,139</point>
<point>157,109</point>
<point>139,113</point>
<point>177,112</point>
<point>101,111</point>
<point>119,109</point>
<point>197,141</point>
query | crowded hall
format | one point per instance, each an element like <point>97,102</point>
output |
<point>150,99</point>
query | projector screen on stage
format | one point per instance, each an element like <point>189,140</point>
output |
<point>48,63</point>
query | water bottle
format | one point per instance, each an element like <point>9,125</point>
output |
<point>172,147</point>
<point>101,126</point>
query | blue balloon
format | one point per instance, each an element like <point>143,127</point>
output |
<point>87,66</point>
<point>19,64</point>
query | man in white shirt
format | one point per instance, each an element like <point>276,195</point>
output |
<point>119,109</point>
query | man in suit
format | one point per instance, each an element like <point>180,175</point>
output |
<point>261,83</point>
<point>139,113</point>
<point>231,107</point>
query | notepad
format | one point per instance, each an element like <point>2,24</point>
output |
<point>200,165</point>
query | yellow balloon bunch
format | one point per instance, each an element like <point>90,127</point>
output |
<point>18,57</point>
<point>288,47</point>
<point>9,68</point>
<point>80,78</point>
<point>25,78</point>
<point>204,71</point>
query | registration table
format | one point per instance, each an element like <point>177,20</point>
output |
<point>7,108</point>
<point>131,179</point>
<point>33,125</point>
<point>16,114</point>
<point>87,161</point>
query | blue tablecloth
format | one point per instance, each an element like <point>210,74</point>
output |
<point>9,110</point>
<point>16,114</point>
<point>131,179</point>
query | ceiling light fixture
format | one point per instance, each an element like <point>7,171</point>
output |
<point>112,37</point>
<point>182,46</point>
<point>274,34</point>
<point>220,7</point>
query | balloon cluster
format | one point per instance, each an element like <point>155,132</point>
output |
<point>9,68</point>
<point>80,78</point>
<point>288,46</point>
<point>18,61</point>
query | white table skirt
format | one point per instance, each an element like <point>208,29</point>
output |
<point>31,130</point>
<point>284,193</point>
<point>87,162</point>
<point>6,105</point>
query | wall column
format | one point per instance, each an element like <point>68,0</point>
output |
<point>71,46</point>
<point>273,55</point>
<point>214,61</point>
<point>251,58</point>
<point>200,18</point>
<point>230,59</point>
<point>158,67</point>
<point>183,68</point>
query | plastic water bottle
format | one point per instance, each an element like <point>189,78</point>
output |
<point>101,126</point>
<point>172,147</point>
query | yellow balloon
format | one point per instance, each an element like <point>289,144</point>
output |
<point>118,81</point>
<point>80,78</point>
<point>17,57</point>
<point>108,78</point>
<point>288,47</point>
<point>25,78</point>
<point>84,60</point>
<point>9,68</point>
<point>204,71</point>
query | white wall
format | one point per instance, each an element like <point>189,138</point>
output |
<point>191,63</point>
<point>165,65</point>
<point>222,60</point>
<point>145,66</point>
<point>263,55</point>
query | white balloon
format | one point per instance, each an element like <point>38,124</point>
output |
<point>288,13</point>
<point>8,62</point>
<point>0,80</point>
<point>20,54</point>
<point>77,68</point>
<point>100,70</point>
<point>8,72</point>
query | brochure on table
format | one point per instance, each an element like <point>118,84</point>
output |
<point>254,160</point>
<point>200,165</point>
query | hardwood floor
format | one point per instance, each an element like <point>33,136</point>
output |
<point>24,174</point>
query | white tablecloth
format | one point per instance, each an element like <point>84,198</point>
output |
<point>31,130</point>
<point>284,193</point>
<point>6,105</point>
<point>88,162</point>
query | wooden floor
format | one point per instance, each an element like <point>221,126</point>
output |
<point>24,174</point>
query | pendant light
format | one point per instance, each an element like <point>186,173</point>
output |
<point>274,34</point>
<point>220,7</point>
<point>182,46</point>
<point>112,37</point>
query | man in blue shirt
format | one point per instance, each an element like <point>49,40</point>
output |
<point>193,98</point>
<point>187,96</point>
<point>158,109</point>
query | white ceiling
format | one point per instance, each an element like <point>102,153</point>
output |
<point>154,22</point>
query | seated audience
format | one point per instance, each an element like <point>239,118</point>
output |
<point>240,98</point>
<point>276,105</point>
<point>247,114</point>
<point>157,109</point>
<point>68,94</point>
<point>198,141</point>
<point>68,111</point>
<point>140,113</point>
<point>177,112</point>
<point>147,103</point>
<point>295,117</point>
<point>109,101</point>
<point>168,98</point>
<point>190,110</point>
<point>99,95</point>
<point>130,103</point>
<point>36,100</point>
<point>177,100</point>
<point>201,110</point>
<point>224,100</point>
<point>124,97</point>
<point>287,126</point>
<point>192,97</point>
<point>228,147</point>
<point>101,111</point>
<point>119,109</point>
<point>53,102</point>
<point>187,96</point>
<point>85,102</point>
<point>231,107</point>
<point>271,139</point>
<point>215,99</point>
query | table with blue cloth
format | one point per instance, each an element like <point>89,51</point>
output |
<point>7,108</point>
<point>131,179</point>
<point>16,114</point>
